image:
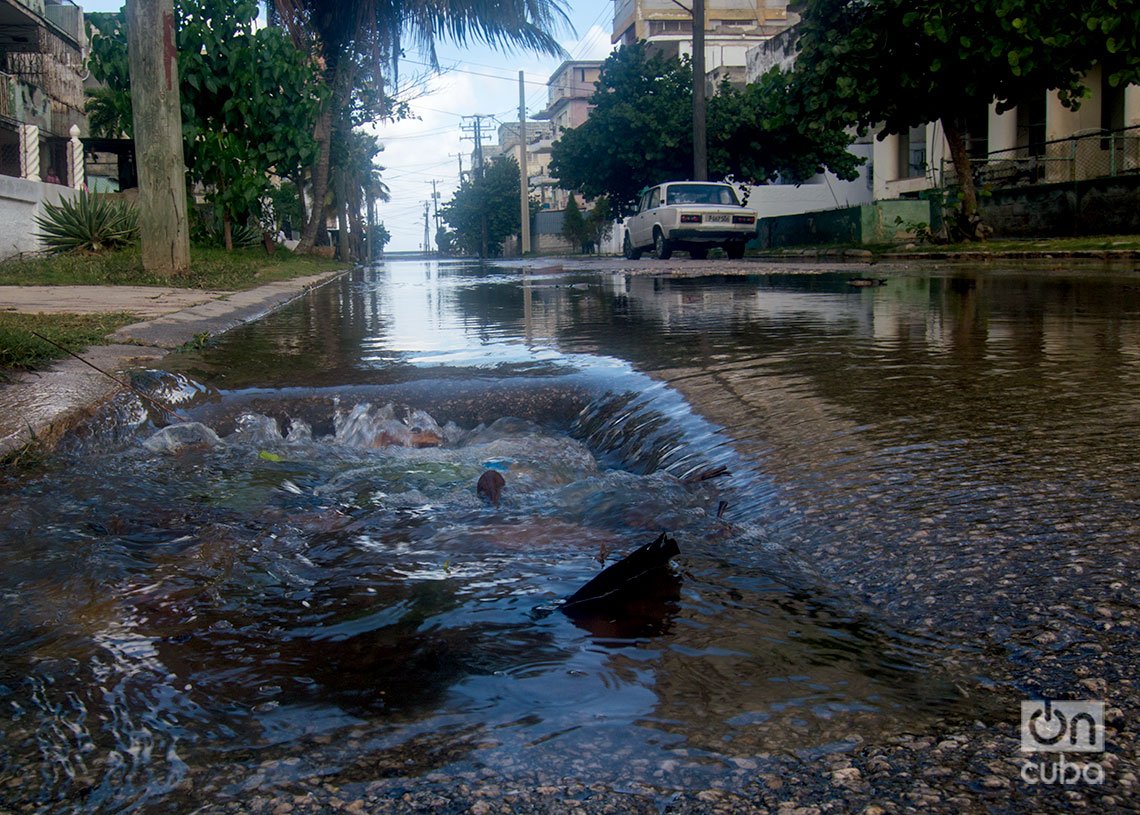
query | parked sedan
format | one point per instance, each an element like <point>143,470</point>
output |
<point>693,216</point>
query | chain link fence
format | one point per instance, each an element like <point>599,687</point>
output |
<point>1082,157</point>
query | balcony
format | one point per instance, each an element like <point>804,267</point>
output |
<point>8,89</point>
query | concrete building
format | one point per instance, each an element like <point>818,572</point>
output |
<point>42,55</point>
<point>732,27</point>
<point>569,90</point>
<point>1037,141</point>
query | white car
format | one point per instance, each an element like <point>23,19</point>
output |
<point>693,216</point>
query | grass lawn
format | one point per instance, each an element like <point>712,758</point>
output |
<point>209,269</point>
<point>20,349</point>
<point>1095,243</point>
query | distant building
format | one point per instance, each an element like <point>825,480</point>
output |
<point>732,27</point>
<point>42,55</point>
<point>1040,138</point>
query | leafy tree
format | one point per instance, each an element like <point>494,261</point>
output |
<point>445,241</point>
<point>249,100</point>
<point>493,198</point>
<point>600,221</point>
<point>901,63</point>
<point>640,132</point>
<point>358,41</point>
<point>575,229</point>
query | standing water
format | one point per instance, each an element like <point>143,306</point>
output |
<point>900,509</point>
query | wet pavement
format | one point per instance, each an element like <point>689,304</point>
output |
<point>930,516</point>
<point>42,405</point>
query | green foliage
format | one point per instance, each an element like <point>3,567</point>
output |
<point>207,230</point>
<point>600,221</point>
<point>89,223</point>
<point>380,237</point>
<point>575,229</point>
<point>445,241</point>
<point>640,132</point>
<point>896,64</point>
<point>109,105</point>
<point>494,198</point>
<point>249,98</point>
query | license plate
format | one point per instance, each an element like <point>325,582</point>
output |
<point>718,219</point>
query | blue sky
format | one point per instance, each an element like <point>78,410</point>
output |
<point>474,80</point>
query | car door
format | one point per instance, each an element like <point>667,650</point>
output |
<point>643,236</point>
<point>634,224</point>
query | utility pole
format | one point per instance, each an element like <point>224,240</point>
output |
<point>524,177</point>
<point>153,60</point>
<point>700,130</point>
<point>427,235</point>
<point>477,174</point>
<point>435,204</point>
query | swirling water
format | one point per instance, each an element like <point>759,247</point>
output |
<point>299,579</point>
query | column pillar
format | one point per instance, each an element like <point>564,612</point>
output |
<point>30,152</point>
<point>1002,130</point>
<point>77,173</point>
<point>1132,106</point>
<point>885,164</point>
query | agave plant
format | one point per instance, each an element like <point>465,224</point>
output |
<point>88,223</point>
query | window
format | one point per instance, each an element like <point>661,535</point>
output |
<point>701,194</point>
<point>654,198</point>
<point>912,153</point>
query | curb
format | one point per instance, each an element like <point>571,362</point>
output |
<point>42,406</point>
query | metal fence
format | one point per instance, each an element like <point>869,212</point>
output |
<point>1085,156</point>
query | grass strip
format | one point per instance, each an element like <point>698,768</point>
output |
<point>20,350</point>
<point>210,268</point>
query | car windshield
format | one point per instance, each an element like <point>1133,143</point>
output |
<point>701,194</point>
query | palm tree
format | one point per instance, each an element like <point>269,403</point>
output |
<point>359,41</point>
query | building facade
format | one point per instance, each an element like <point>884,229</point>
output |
<point>42,58</point>
<point>732,27</point>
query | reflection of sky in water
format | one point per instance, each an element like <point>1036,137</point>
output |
<point>419,322</point>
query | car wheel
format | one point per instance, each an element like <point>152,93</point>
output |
<point>734,250</point>
<point>699,253</point>
<point>628,251</point>
<point>661,246</point>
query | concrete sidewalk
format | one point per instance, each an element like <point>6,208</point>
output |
<point>43,405</point>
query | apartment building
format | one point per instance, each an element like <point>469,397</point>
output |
<point>732,27</point>
<point>42,53</point>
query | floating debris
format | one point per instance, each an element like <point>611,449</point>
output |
<point>490,486</point>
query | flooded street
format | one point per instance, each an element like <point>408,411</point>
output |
<point>901,511</point>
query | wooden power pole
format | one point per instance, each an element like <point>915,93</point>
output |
<point>524,176</point>
<point>700,129</point>
<point>153,60</point>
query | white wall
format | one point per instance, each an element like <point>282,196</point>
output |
<point>20,202</point>
<point>823,192</point>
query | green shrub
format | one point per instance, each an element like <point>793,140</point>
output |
<point>89,223</point>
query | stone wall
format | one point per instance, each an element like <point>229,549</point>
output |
<point>866,224</point>
<point>20,202</point>
<point>1104,206</point>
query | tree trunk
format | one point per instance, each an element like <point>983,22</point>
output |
<point>355,222</point>
<point>969,220</point>
<point>299,180</point>
<point>343,250</point>
<point>371,227</point>
<point>228,232</point>
<point>153,59</point>
<point>320,179</point>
